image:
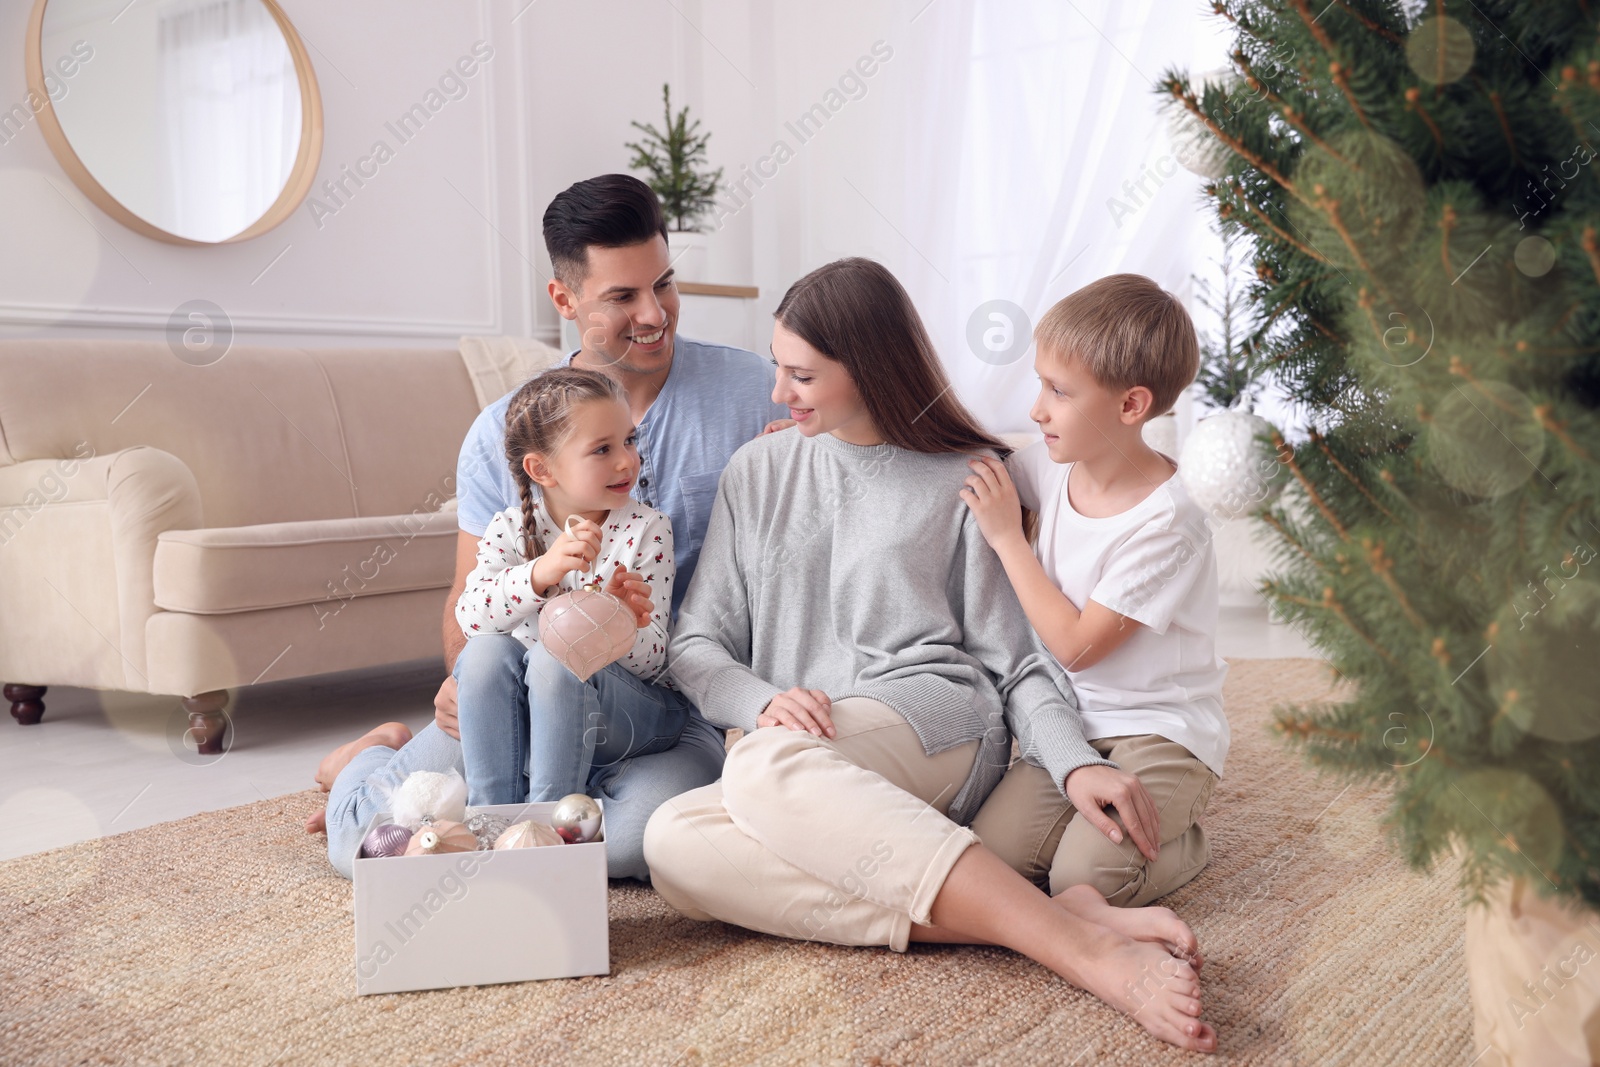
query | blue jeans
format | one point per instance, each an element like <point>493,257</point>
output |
<point>531,730</point>
<point>631,789</point>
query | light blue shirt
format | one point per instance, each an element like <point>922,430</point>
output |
<point>715,399</point>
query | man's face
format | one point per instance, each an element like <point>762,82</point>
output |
<point>626,307</point>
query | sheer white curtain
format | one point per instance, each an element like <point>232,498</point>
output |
<point>230,103</point>
<point>1018,124</point>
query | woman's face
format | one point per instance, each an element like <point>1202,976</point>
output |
<point>820,394</point>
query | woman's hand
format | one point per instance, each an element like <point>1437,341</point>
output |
<point>800,709</point>
<point>777,424</point>
<point>992,498</point>
<point>574,550</point>
<point>634,592</point>
<point>1095,787</point>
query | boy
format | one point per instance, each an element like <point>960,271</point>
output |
<point>1123,591</point>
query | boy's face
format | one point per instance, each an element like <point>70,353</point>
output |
<point>626,307</point>
<point>1081,418</point>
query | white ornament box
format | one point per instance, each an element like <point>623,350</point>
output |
<point>483,917</point>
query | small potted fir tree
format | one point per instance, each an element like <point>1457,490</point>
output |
<point>674,158</point>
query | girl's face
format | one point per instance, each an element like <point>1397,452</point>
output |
<point>595,468</point>
<point>820,393</point>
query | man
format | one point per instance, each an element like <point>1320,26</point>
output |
<point>694,405</point>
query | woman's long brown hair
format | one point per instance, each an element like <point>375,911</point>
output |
<point>858,314</point>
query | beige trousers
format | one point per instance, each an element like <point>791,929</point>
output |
<point>1035,829</point>
<point>841,840</point>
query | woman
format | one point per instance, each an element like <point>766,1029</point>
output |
<point>849,616</point>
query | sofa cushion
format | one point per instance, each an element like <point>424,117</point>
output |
<point>327,561</point>
<point>271,434</point>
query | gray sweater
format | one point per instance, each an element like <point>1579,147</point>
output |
<point>859,571</point>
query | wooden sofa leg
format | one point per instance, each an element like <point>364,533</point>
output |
<point>206,721</point>
<point>27,703</point>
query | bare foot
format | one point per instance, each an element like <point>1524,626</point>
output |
<point>392,734</point>
<point>1160,925</point>
<point>317,822</point>
<point>1156,989</point>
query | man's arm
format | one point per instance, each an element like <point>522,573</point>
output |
<point>444,704</point>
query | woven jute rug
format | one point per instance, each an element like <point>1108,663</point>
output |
<point>227,939</point>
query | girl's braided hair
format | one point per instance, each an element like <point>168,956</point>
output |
<point>539,420</point>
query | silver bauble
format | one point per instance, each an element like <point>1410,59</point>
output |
<point>576,818</point>
<point>1226,466</point>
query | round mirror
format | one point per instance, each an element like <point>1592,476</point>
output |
<point>190,121</point>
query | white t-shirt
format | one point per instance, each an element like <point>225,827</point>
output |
<point>1153,563</point>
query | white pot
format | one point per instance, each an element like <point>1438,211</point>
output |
<point>688,252</point>
<point>1161,434</point>
<point>1533,964</point>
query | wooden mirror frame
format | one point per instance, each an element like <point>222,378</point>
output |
<point>295,189</point>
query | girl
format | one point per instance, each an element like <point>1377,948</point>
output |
<point>849,616</point>
<point>569,432</point>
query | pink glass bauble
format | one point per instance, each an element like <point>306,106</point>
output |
<point>528,835</point>
<point>385,839</point>
<point>586,630</point>
<point>442,836</point>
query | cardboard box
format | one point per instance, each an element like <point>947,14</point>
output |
<point>477,918</point>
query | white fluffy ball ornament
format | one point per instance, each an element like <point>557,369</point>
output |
<point>429,796</point>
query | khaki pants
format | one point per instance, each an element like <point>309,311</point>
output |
<point>841,840</point>
<point>1030,825</point>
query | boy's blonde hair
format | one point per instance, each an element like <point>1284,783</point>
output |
<point>1127,331</point>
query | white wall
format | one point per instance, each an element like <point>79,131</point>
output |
<point>445,239</point>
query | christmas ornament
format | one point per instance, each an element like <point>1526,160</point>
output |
<point>1194,146</point>
<point>385,839</point>
<point>1227,468</point>
<point>528,835</point>
<point>441,836</point>
<point>428,796</point>
<point>486,826</point>
<point>576,818</point>
<point>586,630</point>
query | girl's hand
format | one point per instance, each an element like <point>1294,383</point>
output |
<point>992,498</point>
<point>634,592</point>
<point>574,550</point>
<point>800,709</point>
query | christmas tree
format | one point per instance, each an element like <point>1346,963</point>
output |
<point>676,161</point>
<point>1416,183</point>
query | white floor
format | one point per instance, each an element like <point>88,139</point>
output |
<point>102,763</point>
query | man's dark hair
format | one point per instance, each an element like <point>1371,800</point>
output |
<point>611,211</point>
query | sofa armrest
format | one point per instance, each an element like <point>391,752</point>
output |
<point>144,491</point>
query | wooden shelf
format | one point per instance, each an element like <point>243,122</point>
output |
<point>742,292</point>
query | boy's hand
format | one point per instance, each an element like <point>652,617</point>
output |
<point>992,498</point>
<point>1095,787</point>
<point>634,592</point>
<point>800,709</point>
<point>574,550</point>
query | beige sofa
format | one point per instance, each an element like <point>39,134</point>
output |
<point>181,529</point>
